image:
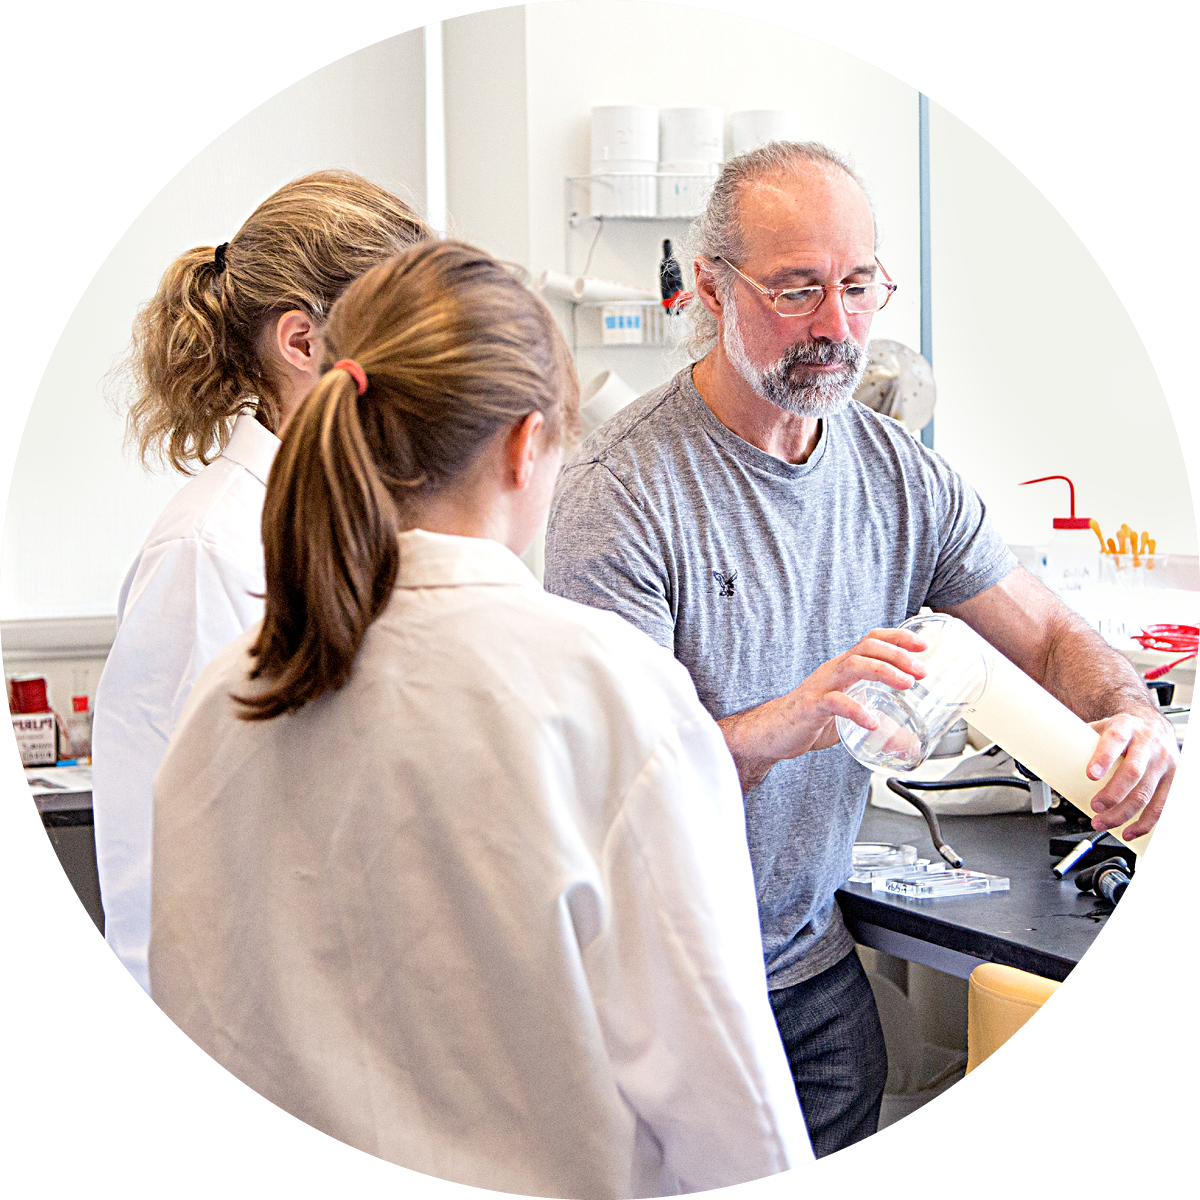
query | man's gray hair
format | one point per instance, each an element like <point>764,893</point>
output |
<point>718,232</point>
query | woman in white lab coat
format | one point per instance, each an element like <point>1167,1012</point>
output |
<point>221,356</point>
<point>450,868</point>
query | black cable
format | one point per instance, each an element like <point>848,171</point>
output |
<point>950,785</point>
<point>901,788</point>
<point>935,832</point>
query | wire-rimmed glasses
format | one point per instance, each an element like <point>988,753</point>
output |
<point>802,302</point>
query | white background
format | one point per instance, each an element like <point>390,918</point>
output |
<point>104,106</point>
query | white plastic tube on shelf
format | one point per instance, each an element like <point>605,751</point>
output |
<point>624,158</point>
<point>584,289</point>
<point>589,290</point>
<point>555,283</point>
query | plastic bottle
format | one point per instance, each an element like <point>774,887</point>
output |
<point>1072,554</point>
<point>670,277</point>
<point>79,723</point>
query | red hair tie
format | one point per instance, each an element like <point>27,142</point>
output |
<point>354,371</point>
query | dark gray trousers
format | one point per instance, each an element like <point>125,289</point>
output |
<point>834,1044</point>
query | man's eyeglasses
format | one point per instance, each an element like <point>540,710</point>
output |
<point>800,302</point>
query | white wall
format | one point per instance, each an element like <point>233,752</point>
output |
<point>1039,369</point>
<point>512,141</point>
<point>79,509</point>
<point>487,140</point>
<point>1018,397</point>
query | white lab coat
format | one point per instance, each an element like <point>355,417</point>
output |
<point>194,586</point>
<point>486,912</point>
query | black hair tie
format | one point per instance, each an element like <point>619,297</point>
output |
<point>219,257</point>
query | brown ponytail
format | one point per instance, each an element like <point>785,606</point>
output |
<point>455,349</point>
<point>194,364</point>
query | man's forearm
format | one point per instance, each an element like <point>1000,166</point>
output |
<point>805,718</point>
<point>744,736</point>
<point>1049,641</point>
<point>1091,678</point>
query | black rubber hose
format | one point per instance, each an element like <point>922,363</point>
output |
<point>901,788</point>
<point>950,785</point>
<point>935,832</point>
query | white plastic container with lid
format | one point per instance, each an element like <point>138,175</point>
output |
<point>693,136</point>
<point>625,158</point>
<point>1072,555</point>
<point>756,126</point>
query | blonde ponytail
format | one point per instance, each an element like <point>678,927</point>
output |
<point>194,364</point>
<point>455,349</point>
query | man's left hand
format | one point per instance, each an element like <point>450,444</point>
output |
<point>1140,784</point>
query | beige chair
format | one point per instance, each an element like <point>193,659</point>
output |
<point>999,1001</point>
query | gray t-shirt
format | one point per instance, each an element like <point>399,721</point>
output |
<point>754,572</point>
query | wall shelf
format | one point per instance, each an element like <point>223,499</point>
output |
<point>655,196</point>
<point>618,324</point>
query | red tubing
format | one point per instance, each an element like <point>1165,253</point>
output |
<point>1169,638</point>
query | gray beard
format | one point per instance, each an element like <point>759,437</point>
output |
<point>806,395</point>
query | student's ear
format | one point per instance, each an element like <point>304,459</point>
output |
<point>298,342</point>
<point>525,447</point>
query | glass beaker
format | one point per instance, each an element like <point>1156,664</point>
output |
<point>913,721</point>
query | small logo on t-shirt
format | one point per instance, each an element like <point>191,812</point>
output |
<point>725,582</point>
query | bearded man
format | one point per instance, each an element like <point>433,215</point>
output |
<point>771,533</point>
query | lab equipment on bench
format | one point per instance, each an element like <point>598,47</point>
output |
<point>670,278</point>
<point>943,882</point>
<point>897,869</point>
<point>36,727</point>
<point>1073,857</point>
<point>1073,553</point>
<point>1170,638</point>
<point>869,860</point>
<point>967,677</point>
<point>1108,879</point>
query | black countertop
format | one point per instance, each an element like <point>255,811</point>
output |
<point>1040,925</point>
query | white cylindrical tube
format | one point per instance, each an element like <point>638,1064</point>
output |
<point>604,397</point>
<point>1042,733</point>
<point>585,288</point>
<point>555,283</point>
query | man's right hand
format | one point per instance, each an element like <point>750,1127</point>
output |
<point>804,719</point>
